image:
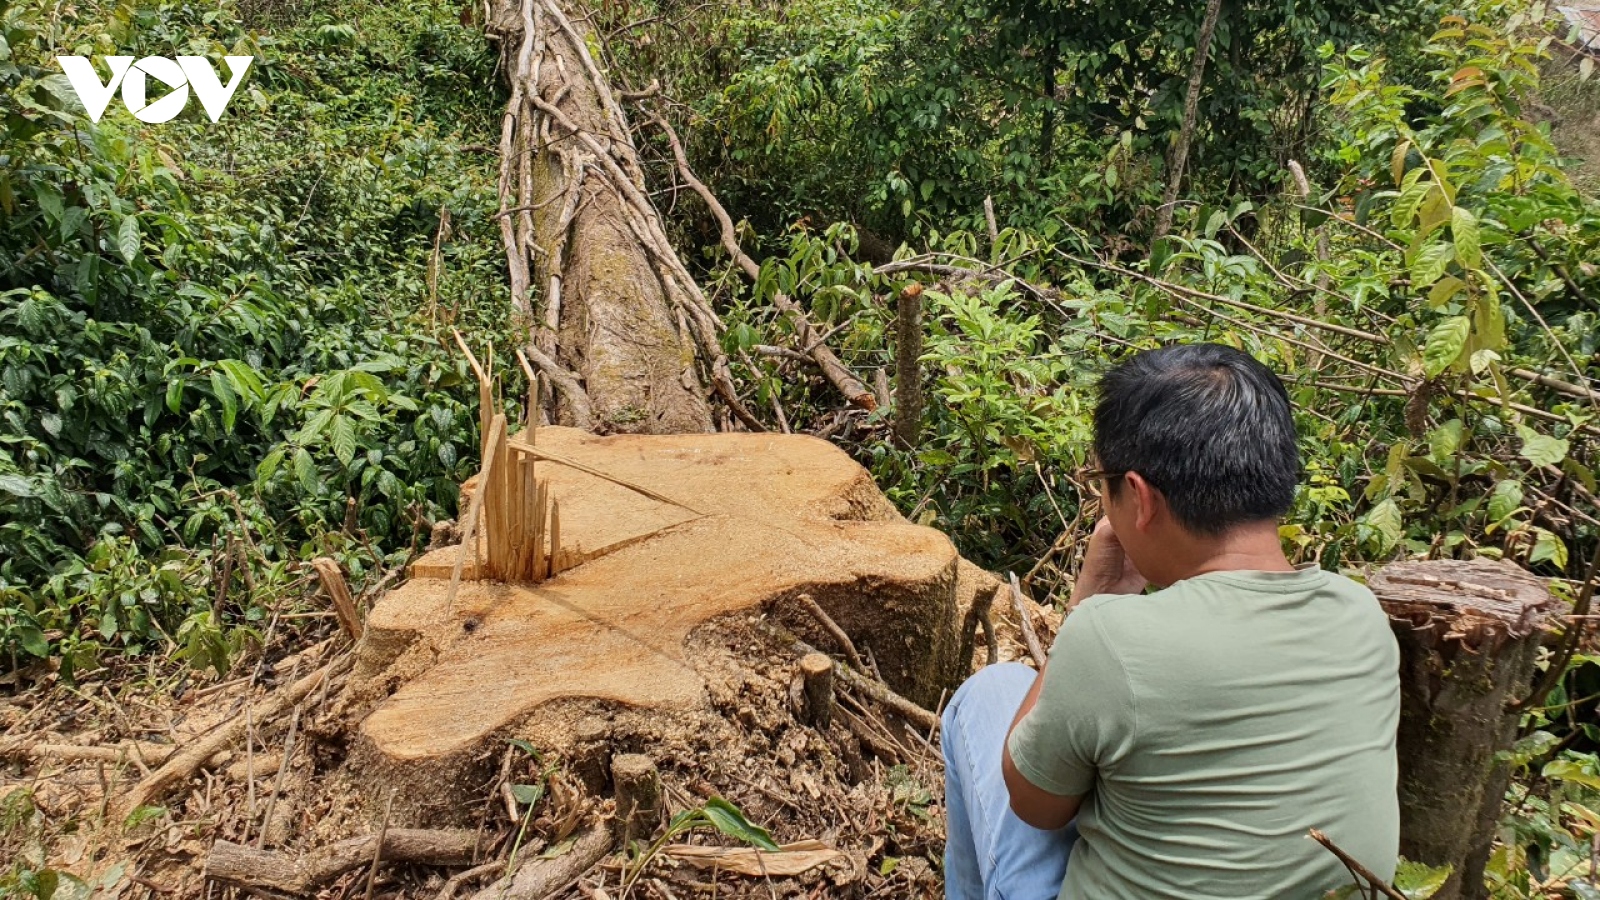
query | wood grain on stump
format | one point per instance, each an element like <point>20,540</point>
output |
<point>1469,632</point>
<point>748,519</point>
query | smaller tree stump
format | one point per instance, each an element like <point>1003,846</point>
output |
<point>638,787</point>
<point>817,671</point>
<point>1469,632</point>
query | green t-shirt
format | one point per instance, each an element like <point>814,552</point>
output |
<point>1212,724</point>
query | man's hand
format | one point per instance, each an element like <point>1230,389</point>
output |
<point>1106,567</point>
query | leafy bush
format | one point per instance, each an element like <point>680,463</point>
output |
<point>224,347</point>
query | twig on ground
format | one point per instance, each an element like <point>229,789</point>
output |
<point>1025,618</point>
<point>826,621</point>
<point>181,765</point>
<point>876,690</point>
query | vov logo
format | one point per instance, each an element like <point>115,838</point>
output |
<point>180,75</point>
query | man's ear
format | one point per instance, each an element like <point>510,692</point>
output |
<point>1148,501</point>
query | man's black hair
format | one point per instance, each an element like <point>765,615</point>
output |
<point>1208,426</point>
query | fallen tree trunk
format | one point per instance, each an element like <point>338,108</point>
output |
<point>290,874</point>
<point>1468,632</point>
<point>617,312</point>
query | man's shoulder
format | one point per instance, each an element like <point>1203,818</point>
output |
<point>1195,602</point>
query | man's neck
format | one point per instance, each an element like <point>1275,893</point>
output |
<point>1254,547</point>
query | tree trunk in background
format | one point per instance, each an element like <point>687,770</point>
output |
<point>1468,634</point>
<point>614,319</point>
<point>1191,109</point>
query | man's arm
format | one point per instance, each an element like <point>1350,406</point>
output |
<point>1106,570</point>
<point>1034,805</point>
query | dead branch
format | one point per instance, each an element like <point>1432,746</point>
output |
<point>184,763</point>
<point>565,382</point>
<point>835,371</point>
<point>846,646</point>
<point>344,606</point>
<point>1356,868</point>
<point>978,614</point>
<point>136,752</point>
<point>540,878</point>
<point>875,690</point>
<point>454,883</point>
<point>1025,619</point>
<point>287,873</point>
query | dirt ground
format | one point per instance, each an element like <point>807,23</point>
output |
<point>868,787</point>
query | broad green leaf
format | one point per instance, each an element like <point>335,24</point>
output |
<point>1488,320</point>
<point>32,640</point>
<point>1430,263</point>
<point>1570,770</point>
<point>344,440</point>
<point>729,820</point>
<point>305,471</point>
<point>314,428</point>
<point>269,466</point>
<point>1444,345</point>
<point>1418,881</point>
<point>175,394</point>
<point>1444,441</point>
<point>1385,521</point>
<point>128,237</point>
<point>1549,547</point>
<point>1411,197</point>
<point>229,400</point>
<point>244,380</point>
<point>1446,288</point>
<point>1542,449</point>
<point>1505,500</point>
<point>527,794</point>
<point>17,486</point>
<point>1464,229</point>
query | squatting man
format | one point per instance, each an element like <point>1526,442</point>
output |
<point>1181,743</point>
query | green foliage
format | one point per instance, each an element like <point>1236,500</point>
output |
<point>716,813</point>
<point>220,348</point>
<point>904,118</point>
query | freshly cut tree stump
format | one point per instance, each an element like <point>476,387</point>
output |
<point>662,534</point>
<point>1469,632</point>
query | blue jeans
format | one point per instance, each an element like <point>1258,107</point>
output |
<point>990,854</point>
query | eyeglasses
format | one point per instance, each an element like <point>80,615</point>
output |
<point>1091,478</point>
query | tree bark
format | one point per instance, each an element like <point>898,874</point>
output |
<point>615,310</point>
<point>1468,634</point>
<point>1191,110</point>
<point>286,873</point>
<point>908,366</point>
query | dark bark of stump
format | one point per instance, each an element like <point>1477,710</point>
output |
<point>1468,634</point>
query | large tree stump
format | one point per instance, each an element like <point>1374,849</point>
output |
<point>661,534</point>
<point>1468,632</point>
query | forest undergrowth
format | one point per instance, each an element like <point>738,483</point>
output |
<point>227,349</point>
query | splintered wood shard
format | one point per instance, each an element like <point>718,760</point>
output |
<point>610,603</point>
